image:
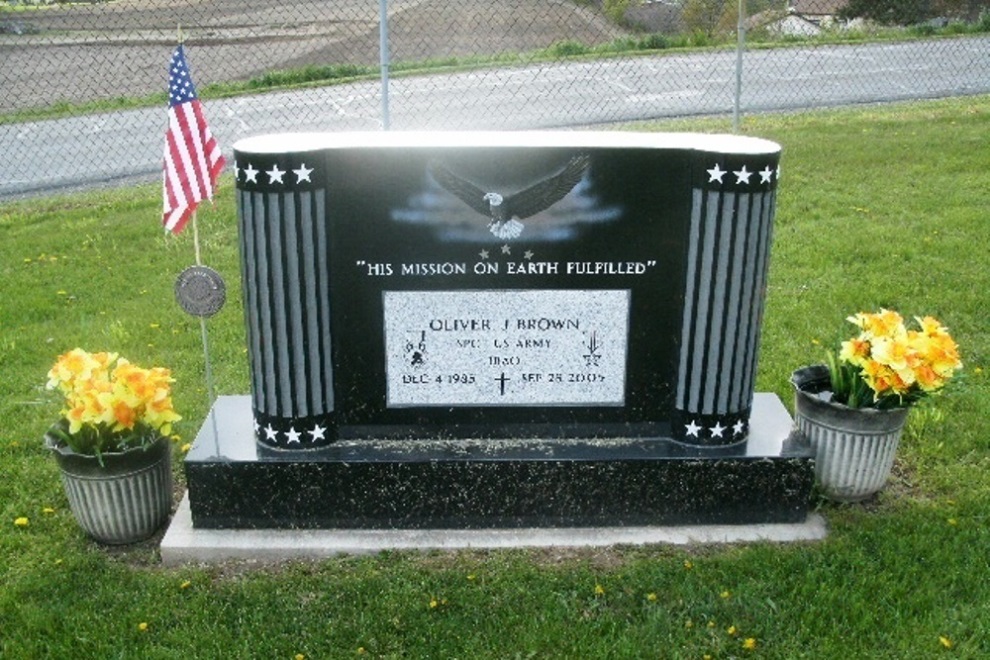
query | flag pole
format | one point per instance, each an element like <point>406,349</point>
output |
<point>195,228</point>
<point>199,289</point>
<point>210,397</point>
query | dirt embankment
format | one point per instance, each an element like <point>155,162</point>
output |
<point>106,50</point>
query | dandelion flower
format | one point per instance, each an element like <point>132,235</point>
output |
<point>21,522</point>
<point>599,590</point>
<point>300,656</point>
<point>434,603</point>
<point>945,641</point>
<point>953,521</point>
<point>749,644</point>
<point>185,448</point>
<point>688,564</point>
<point>651,597</point>
<point>726,594</point>
<point>361,651</point>
<point>185,585</point>
<point>49,510</point>
<point>732,630</point>
<point>471,576</point>
<point>711,624</point>
<point>143,626</point>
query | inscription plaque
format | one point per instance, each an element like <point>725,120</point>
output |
<point>506,348</point>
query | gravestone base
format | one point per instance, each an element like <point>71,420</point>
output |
<point>185,544</point>
<point>496,484</point>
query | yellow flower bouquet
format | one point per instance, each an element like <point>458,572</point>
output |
<point>887,365</point>
<point>111,405</point>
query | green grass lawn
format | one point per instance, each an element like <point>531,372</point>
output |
<point>884,206</point>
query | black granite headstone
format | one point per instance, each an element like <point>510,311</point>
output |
<point>501,330</point>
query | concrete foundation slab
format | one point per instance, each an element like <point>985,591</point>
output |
<point>183,544</point>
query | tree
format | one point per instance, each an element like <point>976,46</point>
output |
<point>912,12</point>
<point>710,16</point>
<point>890,12</point>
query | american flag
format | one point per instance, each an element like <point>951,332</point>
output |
<point>193,160</point>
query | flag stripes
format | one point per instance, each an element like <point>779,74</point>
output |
<point>284,248</point>
<point>728,255</point>
<point>193,159</point>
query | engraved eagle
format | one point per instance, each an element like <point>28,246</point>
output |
<point>507,210</point>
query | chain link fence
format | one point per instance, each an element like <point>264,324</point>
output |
<point>99,68</point>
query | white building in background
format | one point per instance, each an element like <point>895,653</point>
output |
<point>804,18</point>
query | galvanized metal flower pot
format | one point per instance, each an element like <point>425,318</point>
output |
<point>854,447</point>
<point>125,500</point>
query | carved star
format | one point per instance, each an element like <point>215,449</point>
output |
<point>506,249</point>
<point>483,254</point>
<point>738,427</point>
<point>692,429</point>
<point>718,430</point>
<point>251,174</point>
<point>528,254</point>
<point>275,175</point>
<point>766,174</point>
<point>716,174</point>
<point>292,435</point>
<point>302,174</point>
<point>317,433</point>
<point>271,433</point>
<point>742,176</point>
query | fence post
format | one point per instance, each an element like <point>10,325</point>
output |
<point>740,46</point>
<point>383,58</point>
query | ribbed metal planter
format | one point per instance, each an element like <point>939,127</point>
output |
<point>854,447</point>
<point>125,500</point>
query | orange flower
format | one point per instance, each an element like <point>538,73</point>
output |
<point>877,375</point>
<point>855,350</point>
<point>124,416</point>
<point>891,352</point>
<point>884,323</point>
<point>927,379</point>
<point>931,326</point>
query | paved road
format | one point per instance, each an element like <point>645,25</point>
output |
<point>42,157</point>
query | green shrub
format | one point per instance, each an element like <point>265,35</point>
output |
<point>567,48</point>
<point>655,41</point>
<point>309,74</point>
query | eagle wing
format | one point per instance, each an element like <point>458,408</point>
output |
<point>549,191</point>
<point>463,189</point>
